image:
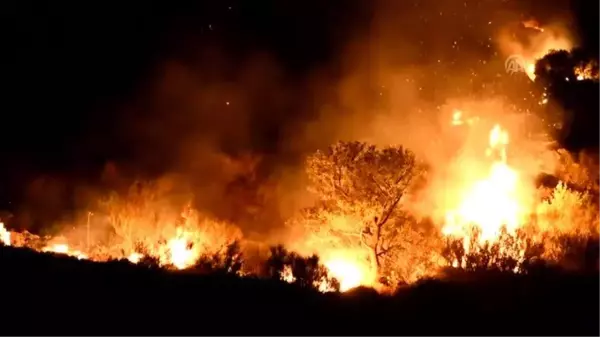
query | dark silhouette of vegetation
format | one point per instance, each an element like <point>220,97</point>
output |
<point>73,296</point>
<point>576,252</point>
<point>508,253</point>
<point>307,272</point>
<point>228,261</point>
<point>150,262</point>
<point>146,259</point>
<point>577,98</point>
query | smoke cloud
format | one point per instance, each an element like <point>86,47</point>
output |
<point>233,128</point>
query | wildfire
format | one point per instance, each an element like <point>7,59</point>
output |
<point>181,252</point>
<point>287,275</point>
<point>586,72</point>
<point>350,274</point>
<point>135,258</point>
<point>63,248</point>
<point>538,44</point>
<point>489,204</point>
<point>533,24</point>
<point>347,273</point>
<point>4,235</point>
<point>458,119</point>
<point>177,251</point>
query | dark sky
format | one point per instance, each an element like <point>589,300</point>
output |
<point>78,77</point>
<point>69,68</point>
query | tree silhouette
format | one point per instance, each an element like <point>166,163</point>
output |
<point>361,190</point>
<point>555,67</point>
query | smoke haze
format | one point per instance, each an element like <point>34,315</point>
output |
<point>232,126</point>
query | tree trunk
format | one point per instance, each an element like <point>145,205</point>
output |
<point>374,261</point>
<point>373,258</point>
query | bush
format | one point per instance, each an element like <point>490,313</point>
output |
<point>229,261</point>
<point>511,252</point>
<point>307,272</point>
<point>573,252</point>
<point>147,260</point>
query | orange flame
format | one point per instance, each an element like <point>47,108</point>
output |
<point>4,235</point>
<point>491,203</point>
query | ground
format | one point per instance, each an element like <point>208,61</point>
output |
<point>45,294</point>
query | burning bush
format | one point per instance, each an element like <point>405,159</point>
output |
<point>143,216</point>
<point>359,231</point>
<point>509,252</point>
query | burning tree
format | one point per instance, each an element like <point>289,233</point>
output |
<point>360,191</point>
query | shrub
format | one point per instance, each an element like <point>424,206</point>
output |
<point>307,272</point>
<point>510,252</point>
<point>228,261</point>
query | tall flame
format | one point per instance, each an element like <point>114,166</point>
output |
<point>491,203</point>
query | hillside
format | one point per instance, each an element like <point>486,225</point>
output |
<point>46,294</point>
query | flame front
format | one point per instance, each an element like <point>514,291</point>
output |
<point>63,248</point>
<point>181,253</point>
<point>489,204</point>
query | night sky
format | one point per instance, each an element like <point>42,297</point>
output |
<point>80,78</point>
<point>71,69</point>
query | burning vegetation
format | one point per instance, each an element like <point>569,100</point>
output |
<point>485,210</point>
<point>361,230</point>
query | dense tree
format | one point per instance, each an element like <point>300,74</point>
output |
<point>360,191</point>
<point>571,80</point>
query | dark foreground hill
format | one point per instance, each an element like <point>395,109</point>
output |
<point>44,294</point>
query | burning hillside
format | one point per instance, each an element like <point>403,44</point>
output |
<point>379,216</point>
<point>362,226</point>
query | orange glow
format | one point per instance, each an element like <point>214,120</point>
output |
<point>4,235</point>
<point>63,248</point>
<point>476,190</point>
<point>181,255</point>
<point>491,202</point>
<point>539,44</point>
<point>586,72</point>
<point>348,274</point>
<point>135,258</point>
